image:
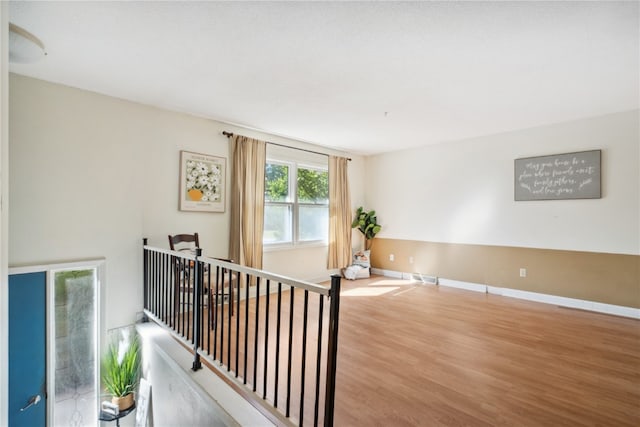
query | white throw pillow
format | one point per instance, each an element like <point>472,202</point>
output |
<point>362,258</point>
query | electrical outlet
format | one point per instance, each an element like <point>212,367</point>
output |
<point>523,272</point>
<point>391,257</point>
<point>410,260</point>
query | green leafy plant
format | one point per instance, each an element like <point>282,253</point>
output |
<point>121,367</point>
<point>367,223</point>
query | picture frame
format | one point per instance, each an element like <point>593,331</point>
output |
<point>202,182</point>
<point>144,396</point>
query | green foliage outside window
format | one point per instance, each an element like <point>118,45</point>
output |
<point>313,186</point>
<point>308,203</point>
<point>276,186</point>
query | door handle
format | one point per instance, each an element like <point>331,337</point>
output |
<point>33,401</point>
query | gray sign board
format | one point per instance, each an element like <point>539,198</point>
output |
<point>559,176</point>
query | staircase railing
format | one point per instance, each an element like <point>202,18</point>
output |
<point>269,335</point>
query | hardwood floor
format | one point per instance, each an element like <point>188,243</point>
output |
<point>423,355</point>
<point>414,355</point>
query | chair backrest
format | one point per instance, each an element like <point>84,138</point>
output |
<point>184,242</point>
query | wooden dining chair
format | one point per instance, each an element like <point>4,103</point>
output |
<point>181,272</point>
<point>189,242</point>
<point>184,242</point>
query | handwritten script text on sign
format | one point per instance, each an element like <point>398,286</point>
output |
<point>563,176</point>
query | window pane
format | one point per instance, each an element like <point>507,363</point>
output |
<point>313,186</point>
<point>276,183</point>
<point>76,395</point>
<point>277,224</point>
<point>314,223</point>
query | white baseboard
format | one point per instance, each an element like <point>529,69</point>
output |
<point>475,287</point>
<point>617,310</point>
<point>599,307</point>
<point>387,273</point>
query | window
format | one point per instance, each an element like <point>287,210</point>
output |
<point>76,357</point>
<point>296,203</point>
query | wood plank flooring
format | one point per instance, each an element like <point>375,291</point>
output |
<point>423,355</point>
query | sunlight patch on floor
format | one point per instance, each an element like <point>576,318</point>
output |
<point>368,291</point>
<point>393,282</point>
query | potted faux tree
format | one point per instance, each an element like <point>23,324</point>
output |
<point>121,371</point>
<point>368,225</point>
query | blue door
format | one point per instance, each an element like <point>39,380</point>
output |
<point>27,349</point>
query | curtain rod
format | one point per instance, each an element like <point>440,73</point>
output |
<point>230,134</point>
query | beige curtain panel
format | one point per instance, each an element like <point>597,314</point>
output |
<point>248,159</point>
<point>339,214</point>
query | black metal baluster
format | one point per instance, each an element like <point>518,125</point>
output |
<point>167,289</point>
<point>156,280</point>
<point>178,283</point>
<point>176,294</point>
<point>186,299</point>
<point>246,324</point>
<point>237,320</point>
<point>170,288</point>
<point>153,281</point>
<point>172,294</point>
<point>188,293</point>
<point>209,308</point>
<point>221,325</point>
<point>229,313</point>
<point>165,282</point>
<point>195,298</point>
<point>196,311</point>
<point>215,314</point>
<point>318,359</point>
<point>304,354</point>
<point>291,302</point>
<point>277,368</point>
<point>204,303</point>
<point>158,312</point>
<point>255,341</point>
<point>145,274</point>
<point>202,294</point>
<point>266,341</point>
<point>332,351</point>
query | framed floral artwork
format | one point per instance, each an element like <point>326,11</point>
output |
<point>202,182</point>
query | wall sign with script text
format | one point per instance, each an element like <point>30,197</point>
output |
<point>559,176</point>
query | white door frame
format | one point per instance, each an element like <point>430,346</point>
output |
<point>4,209</point>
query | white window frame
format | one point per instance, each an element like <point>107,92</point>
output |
<point>294,166</point>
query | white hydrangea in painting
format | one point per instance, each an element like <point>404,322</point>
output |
<point>203,181</point>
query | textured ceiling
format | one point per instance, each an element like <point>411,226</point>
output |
<point>364,77</point>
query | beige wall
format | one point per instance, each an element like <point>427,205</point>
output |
<point>92,175</point>
<point>451,207</point>
<point>600,277</point>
